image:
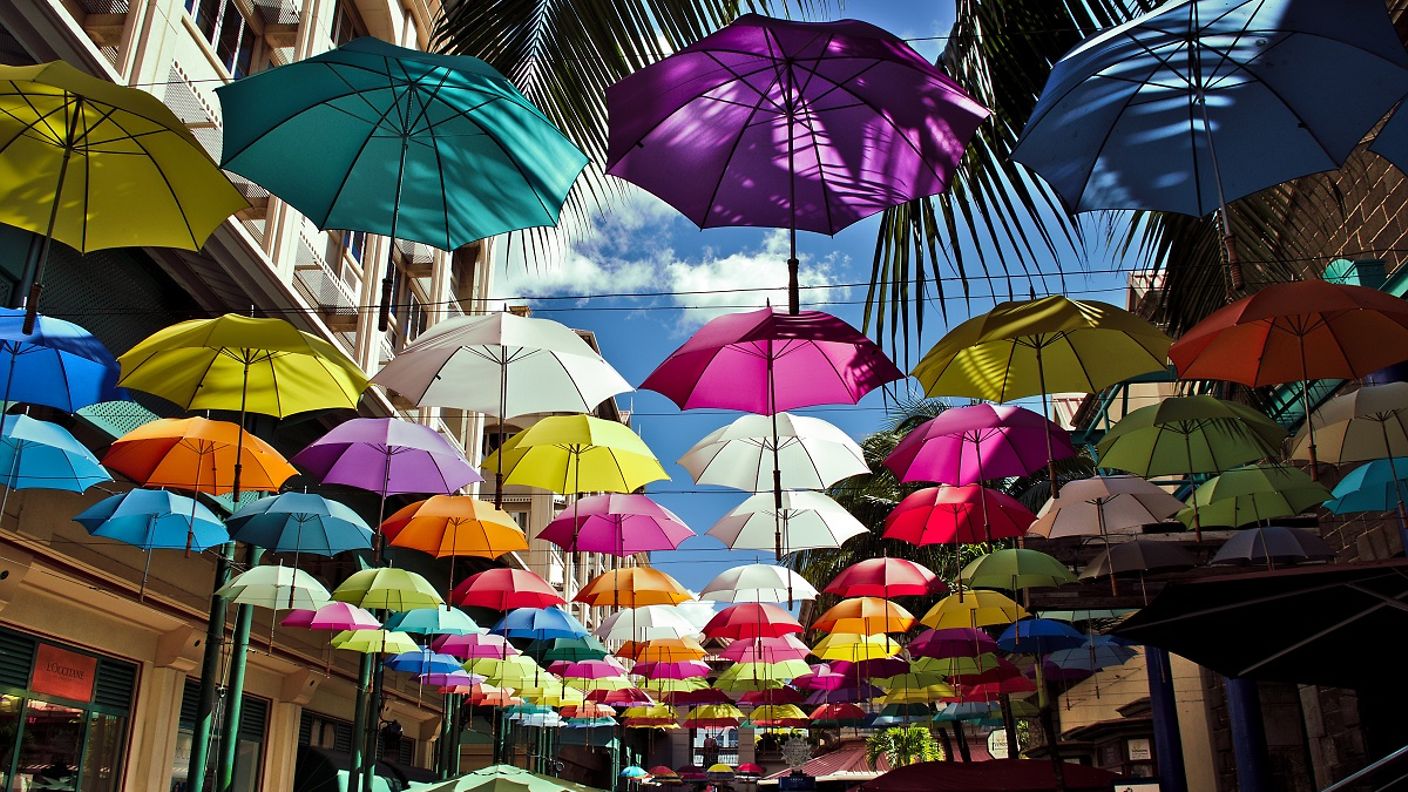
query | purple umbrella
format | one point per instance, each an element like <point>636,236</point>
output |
<point>797,125</point>
<point>387,456</point>
<point>621,525</point>
<point>956,642</point>
<point>474,646</point>
<point>968,445</point>
<point>845,694</point>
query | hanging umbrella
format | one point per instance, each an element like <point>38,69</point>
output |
<point>1192,107</point>
<point>951,642</point>
<point>835,716</point>
<point>957,515</point>
<point>972,610</point>
<point>387,589</point>
<point>712,716</point>
<point>1038,636</point>
<point>1253,494</point>
<point>505,589</point>
<point>96,165</point>
<point>434,621</point>
<point>1087,659</point>
<point>461,154</point>
<point>516,671</point>
<point>473,646</point>
<point>41,455</point>
<point>1375,486</point>
<point>810,520</point>
<point>662,650</point>
<point>297,522</point>
<point>751,620</point>
<point>885,578</point>
<point>197,455</point>
<point>1104,505</point>
<point>552,650</point>
<point>538,623</point>
<point>1138,555</point>
<point>387,456</point>
<point>1014,569</point>
<point>854,648</point>
<point>757,583</point>
<point>864,616</point>
<point>1189,434</point>
<point>450,679</point>
<point>970,445</point>
<point>768,716</point>
<point>1273,545</point>
<point>797,125</point>
<point>618,524</point>
<point>577,453</point>
<point>744,677</point>
<point>682,669</point>
<point>649,622</point>
<point>453,526</point>
<point>423,661</point>
<point>58,365</point>
<point>374,642</point>
<point>276,588</point>
<point>808,452</point>
<point>1370,423</point>
<point>765,650</point>
<point>337,616</point>
<point>1296,332</point>
<point>154,520</point>
<point>632,587</point>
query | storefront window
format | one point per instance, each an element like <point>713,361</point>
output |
<point>102,752</point>
<point>50,747</point>
<point>10,707</point>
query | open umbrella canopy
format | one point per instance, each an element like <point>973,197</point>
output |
<point>662,650</point>
<point>1189,434</point>
<point>1368,423</point>
<point>423,661</point>
<point>712,716</point>
<point>972,610</point>
<point>768,361</point>
<point>434,621</point>
<point>1091,656</point>
<point>276,587</point>
<point>332,616</point>
<point>577,453</point>
<point>757,583</point>
<point>809,520</point>
<point>1138,555</point>
<point>981,442</point>
<point>518,672</point>
<point>539,623</point>
<point>1252,494</point>
<point>586,647</point>
<point>768,716</point>
<point>864,616</point>
<point>298,522</point>
<point>632,587</point>
<point>1104,505</point>
<point>682,669</point>
<point>1034,347</point>
<point>1273,545</point>
<point>473,646</point>
<point>854,648</point>
<point>41,455</point>
<point>387,589</point>
<point>810,454</point>
<point>618,524</point>
<point>233,362</point>
<point>454,525</point>
<point>197,455</point>
<point>952,515</point>
<point>387,456</point>
<point>835,716</point>
<point>374,642</point>
<point>1014,569</point>
<point>58,364</point>
<point>154,520</point>
<point>1038,636</point>
<point>765,650</point>
<point>646,623</point>
<point>505,589</point>
<point>752,620</point>
<point>885,577</point>
<point>952,642</point>
<point>1375,486</point>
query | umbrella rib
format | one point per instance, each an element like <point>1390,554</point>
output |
<point>733,149</point>
<point>161,171</point>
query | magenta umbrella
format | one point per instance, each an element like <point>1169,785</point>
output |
<point>954,642</point>
<point>337,616</point>
<point>621,525</point>
<point>766,650</point>
<point>680,669</point>
<point>797,125</point>
<point>969,445</point>
<point>474,646</point>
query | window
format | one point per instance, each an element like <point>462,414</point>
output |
<point>346,24</point>
<point>229,31</point>
<point>249,749</point>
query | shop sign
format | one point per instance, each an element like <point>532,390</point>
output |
<point>797,782</point>
<point>59,672</point>
<point>1140,750</point>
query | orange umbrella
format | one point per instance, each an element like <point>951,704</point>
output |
<point>587,709</point>
<point>633,587</point>
<point>454,525</point>
<point>864,616</point>
<point>663,650</point>
<point>197,455</point>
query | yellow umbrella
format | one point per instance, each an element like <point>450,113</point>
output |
<point>855,648</point>
<point>973,609</point>
<point>97,165</point>
<point>374,641</point>
<point>519,672</point>
<point>925,694</point>
<point>577,453</point>
<point>864,616</point>
<point>633,587</point>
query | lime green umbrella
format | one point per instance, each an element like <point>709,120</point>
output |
<point>388,589</point>
<point>1190,434</point>
<point>1015,569</point>
<point>374,641</point>
<point>518,672</point>
<point>490,779</point>
<point>1253,494</point>
<point>577,453</point>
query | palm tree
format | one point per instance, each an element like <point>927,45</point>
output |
<point>902,746</point>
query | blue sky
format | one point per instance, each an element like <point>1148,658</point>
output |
<point>642,246</point>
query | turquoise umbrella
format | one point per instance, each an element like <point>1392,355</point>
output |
<point>298,522</point>
<point>434,621</point>
<point>154,520</point>
<point>437,149</point>
<point>41,455</point>
<point>1379,485</point>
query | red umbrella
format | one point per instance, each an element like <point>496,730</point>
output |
<point>751,620</point>
<point>621,697</point>
<point>1296,332</point>
<point>842,714</point>
<point>968,514</point>
<point>885,577</point>
<point>505,589</point>
<point>782,695</point>
<point>685,698</point>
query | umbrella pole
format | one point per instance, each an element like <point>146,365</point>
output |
<point>383,319</point>
<point>794,298</point>
<point>1229,241</point>
<point>1050,454</point>
<point>1197,524</point>
<point>499,452</point>
<point>1100,517</point>
<point>982,496</point>
<point>366,665</point>
<point>36,282</point>
<point>1309,421</point>
<point>1397,485</point>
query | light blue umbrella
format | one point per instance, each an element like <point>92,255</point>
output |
<point>41,455</point>
<point>297,522</point>
<point>59,365</point>
<point>539,623</point>
<point>1039,636</point>
<point>1200,102</point>
<point>1089,658</point>
<point>154,520</point>
<point>434,621</point>
<point>1375,486</point>
<point>634,772</point>
<point>423,661</point>
<point>438,149</point>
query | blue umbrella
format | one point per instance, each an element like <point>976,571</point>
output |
<point>634,772</point>
<point>1201,102</point>
<point>539,623</point>
<point>1375,486</point>
<point>1091,657</point>
<point>424,661</point>
<point>41,455</point>
<point>1039,636</point>
<point>154,520</point>
<point>434,621</point>
<point>589,723</point>
<point>59,365</point>
<point>297,522</point>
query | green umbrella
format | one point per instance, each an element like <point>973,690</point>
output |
<point>1014,569</point>
<point>570,649</point>
<point>1190,434</point>
<point>438,149</point>
<point>494,777</point>
<point>276,588</point>
<point>1254,494</point>
<point>387,589</point>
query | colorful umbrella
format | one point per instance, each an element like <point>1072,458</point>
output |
<point>752,620</point>
<point>538,623</point>
<point>972,610</point>
<point>1086,659</point>
<point>1254,494</point>
<point>505,589</point>
<point>434,621</point>
<point>712,716</point>
<point>662,650</point>
<point>765,650</point>
<point>1189,434</point>
<point>154,520</point>
<point>681,669</point>
<point>42,455</point>
<point>552,650</point>
<point>809,453</point>
<point>387,589</point>
<point>423,661</point>
<point>577,453</point>
<point>618,524</point>
<point>333,616</point>
<point>58,365</point>
<point>1104,505</point>
<point>981,442</point>
<point>954,515</point>
<point>1370,422</point>
<point>197,455</point>
<point>432,132</point>
<point>387,456</point>
<point>864,616</point>
<point>771,716</point>
<point>1270,545</point>
<point>757,583</point>
<point>1138,555</point>
<point>833,716</point>
<point>951,642</point>
<point>473,646</point>
<point>374,642</point>
<point>810,520</point>
<point>885,578</point>
<point>854,648</point>
<point>632,587</point>
<point>277,588</point>
<point>1375,486</point>
<point>1194,110</point>
<point>1014,569</point>
<point>97,165</point>
<point>1038,636</point>
<point>452,526</point>
<point>1296,332</point>
<point>650,622</point>
<point>790,125</point>
<point>297,522</point>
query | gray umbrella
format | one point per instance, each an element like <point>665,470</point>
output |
<point>1272,545</point>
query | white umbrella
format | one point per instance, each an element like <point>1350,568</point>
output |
<point>1104,505</point>
<point>758,583</point>
<point>810,520</point>
<point>1369,423</point>
<point>277,588</point>
<point>645,624</point>
<point>811,454</point>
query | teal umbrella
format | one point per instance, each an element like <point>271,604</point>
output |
<point>437,149</point>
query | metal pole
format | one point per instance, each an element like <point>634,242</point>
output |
<point>359,722</point>
<point>383,319</point>
<point>1168,743</point>
<point>36,282</point>
<point>234,689</point>
<point>373,735</point>
<point>1248,734</point>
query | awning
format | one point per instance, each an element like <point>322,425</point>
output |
<point>321,770</point>
<point>846,762</point>
<point>1323,625</point>
<point>998,775</point>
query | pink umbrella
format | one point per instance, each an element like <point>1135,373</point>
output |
<point>506,589</point>
<point>621,697</point>
<point>967,514</point>
<point>621,525</point>
<point>885,577</point>
<point>782,695</point>
<point>337,616</point>
<point>878,668</point>
<point>957,642</point>
<point>688,698</point>
<point>766,650</point>
<point>751,620</point>
<point>682,669</point>
<point>968,445</point>
<point>590,669</point>
<point>822,677</point>
<point>474,646</point>
<point>451,679</point>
